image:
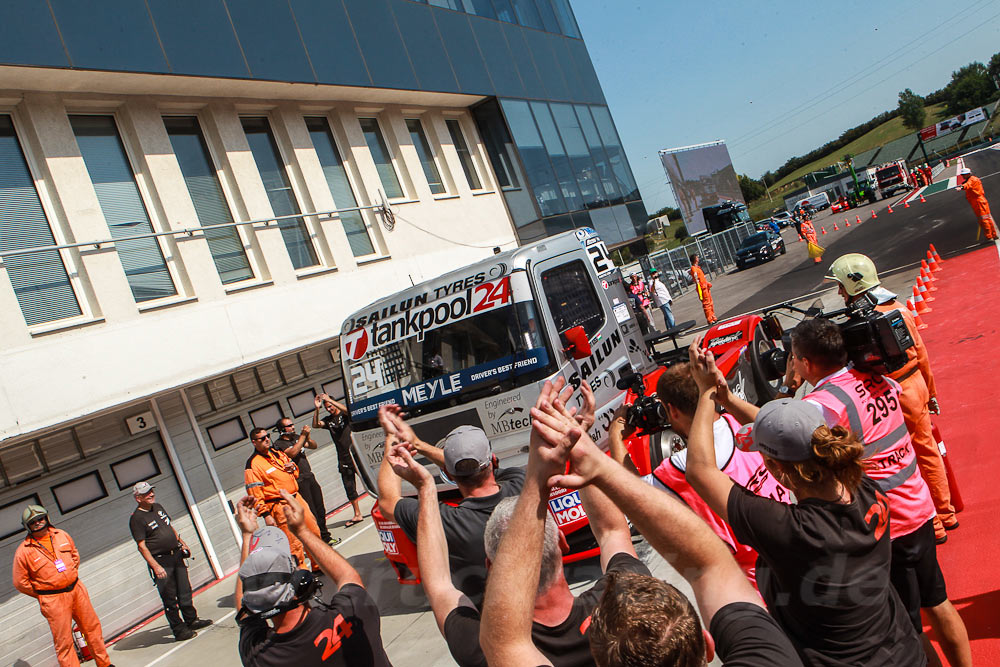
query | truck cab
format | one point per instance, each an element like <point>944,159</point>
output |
<point>892,177</point>
<point>474,346</point>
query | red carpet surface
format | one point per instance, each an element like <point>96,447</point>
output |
<point>962,342</point>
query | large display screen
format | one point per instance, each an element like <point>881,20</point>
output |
<point>700,176</point>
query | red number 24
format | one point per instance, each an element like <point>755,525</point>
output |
<point>341,630</point>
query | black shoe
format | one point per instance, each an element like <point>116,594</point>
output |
<point>199,623</point>
<point>941,540</point>
<point>184,633</point>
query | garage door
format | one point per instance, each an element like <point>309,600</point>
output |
<point>83,476</point>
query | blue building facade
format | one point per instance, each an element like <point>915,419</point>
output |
<point>541,111</point>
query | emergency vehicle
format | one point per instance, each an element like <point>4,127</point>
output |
<point>474,347</point>
<point>892,177</point>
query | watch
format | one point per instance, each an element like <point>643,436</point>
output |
<point>784,389</point>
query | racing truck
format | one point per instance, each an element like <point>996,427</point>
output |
<point>474,346</point>
<point>892,177</point>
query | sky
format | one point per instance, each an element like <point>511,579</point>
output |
<point>773,79</point>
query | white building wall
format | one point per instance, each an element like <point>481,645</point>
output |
<point>117,351</point>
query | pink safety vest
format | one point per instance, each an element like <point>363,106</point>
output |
<point>746,469</point>
<point>869,405</point>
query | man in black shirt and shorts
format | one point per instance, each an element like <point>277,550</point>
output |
<point>294,445</point>
<point>345,633</point>
<point>337,422</point>
<point>164,552</point>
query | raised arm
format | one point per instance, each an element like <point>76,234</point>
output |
<point>330,562</point>
<point>432,546</point>
<point>608,524</point>
<point>246,519</point>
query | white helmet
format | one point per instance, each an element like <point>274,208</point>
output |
<point>855,272</point>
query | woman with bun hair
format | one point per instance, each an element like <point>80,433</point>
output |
<point>823,565</point>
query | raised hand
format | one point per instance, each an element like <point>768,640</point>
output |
<point>586,415</point>
<point>556,427</point>
<point>294,516</point>
<point>403,465</point>
<point>246,515</point>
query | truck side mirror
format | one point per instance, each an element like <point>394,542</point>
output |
<point>577,345</point>
<point>772,327</point>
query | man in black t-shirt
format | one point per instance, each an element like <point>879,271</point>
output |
<point>338,423</point>
<point>164,552</point>
<point>345,633</point>
<point>638,619</point>
<point>294,445</point>
<point>467,458</point>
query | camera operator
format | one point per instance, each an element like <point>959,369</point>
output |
<point>164,551</point>
<point>869,405</point>
<point>346,632</point>
<point>858,279</point>
<point>677,392</point>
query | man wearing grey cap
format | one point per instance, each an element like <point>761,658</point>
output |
<point>164,551</point>
<point>467,458</point>
<point>344,633</point>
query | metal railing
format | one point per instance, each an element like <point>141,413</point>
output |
<point>717,252</point>
<point>382,209</point>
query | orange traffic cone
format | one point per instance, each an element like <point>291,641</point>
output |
<point>835,227</point>
<point>925,269</point>
<point>922,200</point>
<point>927,282</point>
<point>924,292</point>
<point>846,223</point>
<point>890,208</point>
<point>822,230</point>
<point>919,302</point>
<point>936,255</point>
<point>874,216</point>
<point>932,263</point>
<point>906,204</point>
<point>800,238</point>
<point>916,316</point>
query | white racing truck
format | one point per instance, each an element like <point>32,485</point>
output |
<point>474,347</point>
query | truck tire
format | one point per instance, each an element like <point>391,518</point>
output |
<point>766,390</point>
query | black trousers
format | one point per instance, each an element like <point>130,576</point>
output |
<point>175,590</point>
<point>311,492</point>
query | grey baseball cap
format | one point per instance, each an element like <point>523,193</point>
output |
<point>267,571</point>
<point>142,488</point>
<point>783,430</point>
<point>467,450</point>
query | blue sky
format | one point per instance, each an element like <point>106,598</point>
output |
<point>773,79</point>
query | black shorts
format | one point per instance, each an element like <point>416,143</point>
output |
<point>915,572</point>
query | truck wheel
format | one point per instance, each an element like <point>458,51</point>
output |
<point>766,389</point>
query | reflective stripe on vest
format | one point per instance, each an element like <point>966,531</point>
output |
<point>854,419</point>
<point>891,482</point>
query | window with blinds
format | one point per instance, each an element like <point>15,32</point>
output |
<point>381,156</point>
<point>340,186</point>
<point>279,192</point>
<point>209,201</point>
<point>426,156</point>
<point>40,281</point>
<point>464,154</point>
<point>123,208</point>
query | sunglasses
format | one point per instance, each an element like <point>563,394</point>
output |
<point>258,439</point>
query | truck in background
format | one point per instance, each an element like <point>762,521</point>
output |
<point>724,215</point>
<point>818,202</point>
<point>892,177</point>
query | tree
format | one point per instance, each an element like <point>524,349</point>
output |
<point>994,69</point>
<point>911,109</point>
<point>970,87</point>
<point>751,188</point>
<point>669,211</point>
<point>681,233</point>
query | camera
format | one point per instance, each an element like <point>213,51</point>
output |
<point>647,413</point>
<point>875,341</point>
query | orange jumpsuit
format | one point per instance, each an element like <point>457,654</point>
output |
<point>809,233</point>
<point>973,188</point>
<point>37,565</point>
<point>265,475</point>
<point>917,383</point>
<point>704,292</point>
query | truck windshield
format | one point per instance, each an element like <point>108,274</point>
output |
<point>500,343</point>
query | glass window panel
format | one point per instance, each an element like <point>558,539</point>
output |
<point>464,154</point>
<point>427,53</point>
<point>110,35</point>
<point>21,462</point>
<point>549,21</point>
<point>227,433</point>
<point>493,45</point>
<point>330,42</point>
<point>479,8</point>
<point>567,22</point>
<point>334,389</point>
<point>572,299</point>
<point>198,38</point>
<point>302,403</point>
<point>463,52</point>
<point>557,153</point>
<point>607,179</point>
<point>381,156</point>
<point>210,204</point>
<point>382,46</point>
<point>426,156</point>
<point>40,281</point>
<point>340,186</point>
<point>527,13</point>
<point>616,155</point>
<point>499,146</point>
<point>135,469</point>
<point>78,492</point>
<point>534,157</point>
<point>279,191</point>
<point>447,4</point>
<point>267,416</point>
<point>504,11</point>
<point>123,208</point>
<point>521,58</point>
<point>272,41</point>
<point>579,155</point>
<point>10,515</point>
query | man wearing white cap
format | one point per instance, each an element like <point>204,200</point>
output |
<point>344,633</point>
<point>467,458</point>
<point>164,551</point>
<point>973,188</point>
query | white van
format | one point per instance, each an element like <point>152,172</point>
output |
<point>818,202</point>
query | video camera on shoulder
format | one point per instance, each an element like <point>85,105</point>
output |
<point>647,414</point>
<point>875,341</point>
